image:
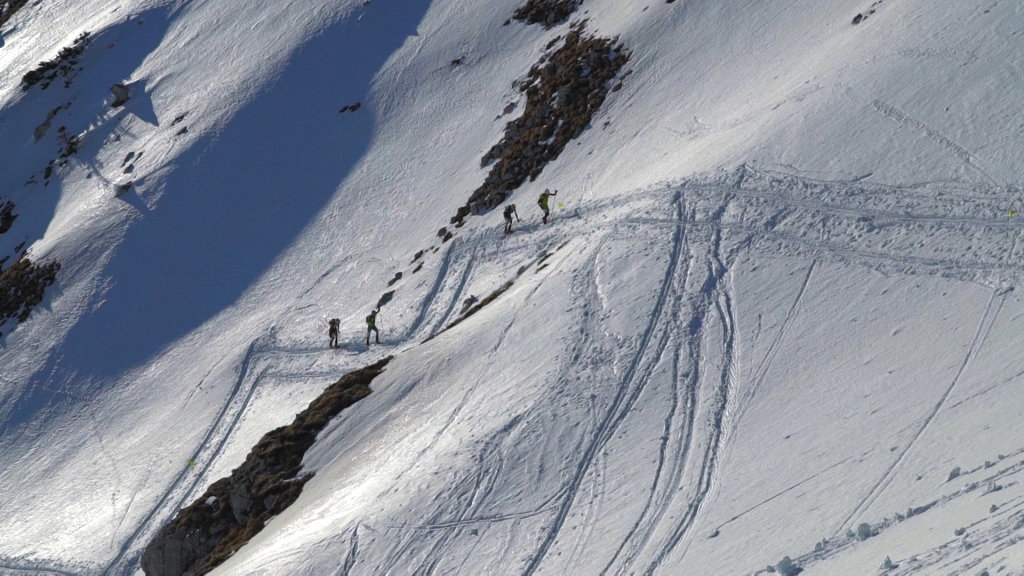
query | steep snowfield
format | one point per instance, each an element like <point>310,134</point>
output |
<point>777,304</point>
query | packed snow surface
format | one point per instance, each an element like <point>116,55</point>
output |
<point>777,311</point>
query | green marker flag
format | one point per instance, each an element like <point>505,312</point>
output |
<point>560,205</point>
<point>192,463</point>
<point>1011,213</point>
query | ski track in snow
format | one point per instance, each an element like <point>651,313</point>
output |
<point>353,553</point>
<point>762,368</point>
<point>184,487</point>
<point>428,300</point>
<point>626,395</point>
<point>988,318</point>
<point>679,316</point>
<point>718,299</point>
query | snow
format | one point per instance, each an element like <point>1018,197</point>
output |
<point>779,304</point>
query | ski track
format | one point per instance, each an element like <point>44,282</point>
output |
<point>621,405</point>
<point>717,294</point>
<point>353,554</point>
<point>981,333</point>
<point>14,570</point>
<point>428,300</point>
<point>487,475</point>
<point>773,348</point>
<point>481,490</point>
<point>1004,532</point>
<point>672,456</point>
<point>849,254</point>
<point>780,493</point>
<point>166,507</point>
<point>679,436</point>
<point>209,449</point>
<point>467,271</point>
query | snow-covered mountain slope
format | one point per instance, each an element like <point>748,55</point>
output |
<point>774,310</point>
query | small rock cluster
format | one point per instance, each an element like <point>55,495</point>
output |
<point>234,509</point>
<point>862,16</point>
<point>546,12</point>
<point>23,284</point>
<point>563,92</point>
<point>63,64</point>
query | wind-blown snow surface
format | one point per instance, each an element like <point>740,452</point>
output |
<point>777,304</point>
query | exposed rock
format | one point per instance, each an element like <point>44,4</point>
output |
<point>63,64</point>
<point>786,567</point>
<point>563,92</point>
<point>953,474</point>
<point>234,509</point>
<point>121,95</point>
<point>23,285</point>
<point>7,216</point>
<point>546,12</point>
<point>43,128</point>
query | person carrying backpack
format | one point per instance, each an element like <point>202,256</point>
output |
<point>334,324</point>
<point>543,203</point>
<point>371,325</point>
<point>509,211</point>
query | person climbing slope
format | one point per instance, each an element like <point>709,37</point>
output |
<point>332,330</point>
<point>371,325</point>
<point>509,211</point>
<point>543,203</point>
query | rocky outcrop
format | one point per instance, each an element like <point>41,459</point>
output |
<point>121,95</point>
<point>22,285</point>
<point>234,509</point>
<point>546,12</point>
<point>64,64</point>
<point>563,92</point>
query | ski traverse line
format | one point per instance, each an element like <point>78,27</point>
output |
<point>620,406</point>
<point>428,300</point>
<point>780,493</point>
<point>436,522</point>
<point>485,481</point>
<point>672,462</point>
<point>28,570</point>
<point>213,432</point>
<point>769,356</point>
<point>352,555</point>
<point>672,457</point>
<point>467,271</point>
<point>874,214</point>
<point>848,253</point>
<point>988,318</point>
<point>219,433</point>
<point>722,301</point>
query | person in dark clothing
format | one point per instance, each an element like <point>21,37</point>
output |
<point>543,203</point>
<point>334,324</point>
<point>371,326</point>
<point>509,211</point>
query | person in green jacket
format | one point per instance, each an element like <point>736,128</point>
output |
<point>543,203</point>
<point>371,326</point>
